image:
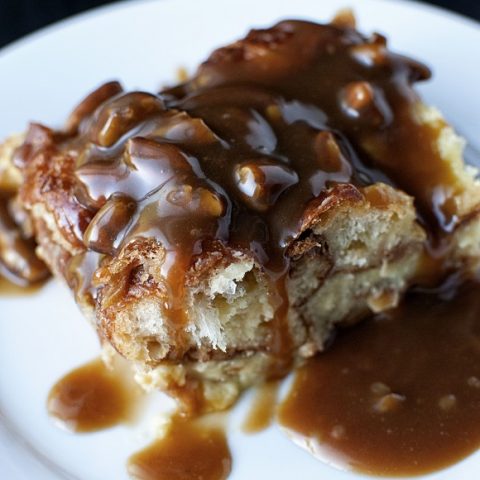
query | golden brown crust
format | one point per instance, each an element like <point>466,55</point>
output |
<point>49,181</point>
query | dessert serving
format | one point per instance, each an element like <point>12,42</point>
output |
<point>217,232</point>
<point>220,232</point>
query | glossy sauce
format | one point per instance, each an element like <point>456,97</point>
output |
<point>20,269</point>
<point>262,409</point>
<point>238,153</point>
<point>189,451</point>
<point>399,394</point>
<point>92,398</point>
<point>79,273</point>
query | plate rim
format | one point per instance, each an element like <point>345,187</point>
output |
<point>54,27</point>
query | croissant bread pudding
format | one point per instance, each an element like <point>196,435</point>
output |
<point>219,232</point>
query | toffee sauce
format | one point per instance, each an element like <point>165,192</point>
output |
<point>262,409</point>
<point>189,451</point>
<point>94,397</point>
<point>21,271</point>
<point>399,394</point>
<point>91,398</point>
<point>12,289</point>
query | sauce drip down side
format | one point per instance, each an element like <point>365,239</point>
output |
<point>398,395</point>
<point>19,265</point>
<point>262,410</point>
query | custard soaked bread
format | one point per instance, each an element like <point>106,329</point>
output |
<point>218,232</point>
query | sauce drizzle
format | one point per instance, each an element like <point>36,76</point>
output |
<point>262,410</point>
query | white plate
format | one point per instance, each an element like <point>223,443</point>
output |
<point>142,44</point>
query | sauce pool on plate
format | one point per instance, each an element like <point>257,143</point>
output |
<point>8,288</point>
<point>189,451</point>
<point>397,395</point>
<point>92,398</point>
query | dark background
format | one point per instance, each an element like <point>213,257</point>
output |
<point>19,17</point>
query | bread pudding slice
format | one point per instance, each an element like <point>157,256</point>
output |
<point>219,232</point>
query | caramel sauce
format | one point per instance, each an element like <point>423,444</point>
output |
<point>262,410</point>
<point>92,398</point>
<point>237,154</point>
<point>399,394</point>
<point>190,450</point>
<point>21,271</point>
<point>11,289</point>
<point>79,274</point>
